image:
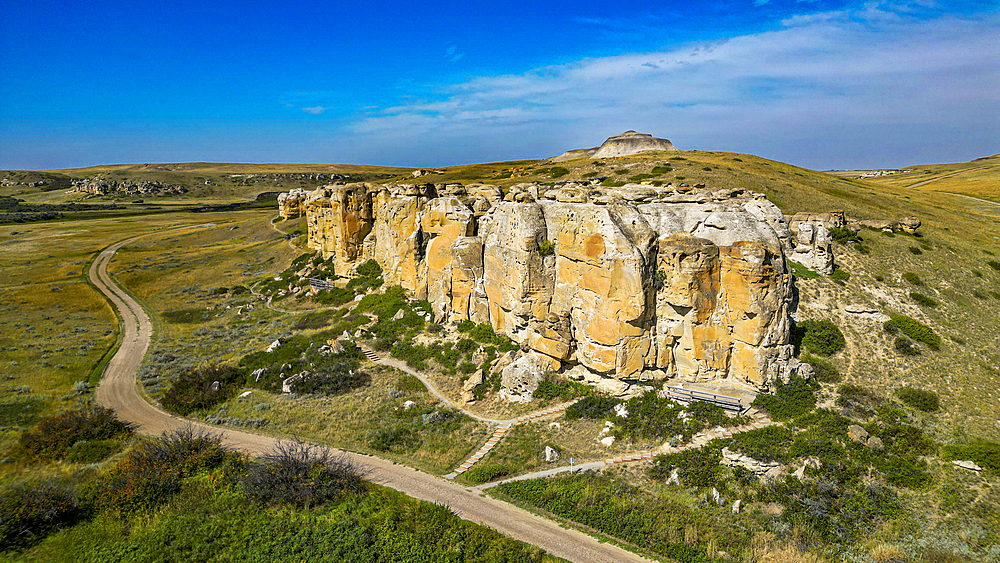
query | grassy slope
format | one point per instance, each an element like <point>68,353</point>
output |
<point>978,178</point>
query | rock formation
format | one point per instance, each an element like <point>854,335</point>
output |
<point>291,204</point>
<point>624,144</point>
<point>632,284</point>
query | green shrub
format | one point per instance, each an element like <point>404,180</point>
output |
<point>546,248</point>
<point>857,399</point>
<point>594,407</point>
<point>488,472</point>
<point>844,236</point>
<point>914,329</point>
<point>905,346</point>
<point>840,276</point>
<point>20,412</point>
<point>658,170</point>
<point>820,337</point>
<point>410,384</point>
<point>613,183</point>
<point>186,316</point>
<point>550,388</point>
<point>984,452</point>
<point>923,300</point>
<point>54,436</point>
<point>912,278</point>
<point>801,271</point>
<point>301,475</point>
<point>926,401</point>
<point>396,438</point>
<point>707,168</point>
<point>789,399</point>
<point>621,171</point>
<point>151,473</point>
<point>554,172</point>
<point>696,468</point>
<point>823,371</point>
<point>765,444</point>
<point>915,250</point>
<point>28,512</point>
<point>640,177</point>
<point>369,269</point>
<point>196,389</point>
<point>994,264</point>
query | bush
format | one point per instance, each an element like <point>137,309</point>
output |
<point>621,171</point>
<point>608,182</point>
<point>488,472</point>
<point>151,473</point>
<point>983,452</point>
<point>914,329</point>
<point>915,250</point>
<point>823,371</point>
<point>696,468</point>
<point>658,170</point>
<point>926,401</point>
<point>301,475</point>
<point>550,388</point>
<point>994,264</point>
<point>53,437</point>
<point>912,278</point>
<point>765,444</point>
<point>28,512</point>
<point>396,438</point>
<point>196,389</point>
<point>186,316</point>
<point>905,346</point>
<point>410,384</point>
<point>640,177</point>
<point>594,407</point>
<point>840,276</point>
<point>857,399</point>
<point>369,269</point>
<point>546,248</point>
<point>844,236</point>
<point>789,400</point>
<point>820,337</point>
<point>923,300</point>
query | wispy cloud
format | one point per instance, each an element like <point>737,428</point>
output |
<point>451,53</point>
<point>315,110</point>
<point>829,78</point>
<point>761,2</point>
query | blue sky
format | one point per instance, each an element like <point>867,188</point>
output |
<point>823,84</point>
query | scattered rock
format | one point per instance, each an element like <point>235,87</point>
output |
<point>875,443</point>
<point>674,478</point>
<point>215,386</point>
<point>608,440</point>
<point>551,454</point>
<point>274,345</point>
<point>399,315</point>
<point>737,506</point>
<point>965,464</point>
<point>858,434</point>
<point>409,405</point>
<point>732,458</point>
<point>555,425</point>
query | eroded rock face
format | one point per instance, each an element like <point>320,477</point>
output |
<point>631,285</point>
<point>291,204</point>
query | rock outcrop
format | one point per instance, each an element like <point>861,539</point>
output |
<point>292,204</point>
<point>631,284</point>
<point>624,144</point>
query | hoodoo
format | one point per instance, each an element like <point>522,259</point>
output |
<point>633,284</point>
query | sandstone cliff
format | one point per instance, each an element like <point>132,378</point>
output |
<point>634,283</point>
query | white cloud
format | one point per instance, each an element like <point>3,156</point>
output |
<point>829,81</point>
<point>315,110</point>
<point>760,2</point>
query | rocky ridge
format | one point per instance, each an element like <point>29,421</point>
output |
<point>623,144</point>
<point>632,285</point>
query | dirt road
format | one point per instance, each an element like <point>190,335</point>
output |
<point>120,391</point>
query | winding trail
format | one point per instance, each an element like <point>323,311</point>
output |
<point>119,390</point>
<point>956,173</point>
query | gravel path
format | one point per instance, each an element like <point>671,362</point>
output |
<point>120,391</point>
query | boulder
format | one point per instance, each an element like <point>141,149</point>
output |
<point>520,379</point>
<point>965,464</point>
<point>909,225</point>
<point>857,434</point>
<point>551,454</point>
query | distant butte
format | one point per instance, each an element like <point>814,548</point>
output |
<point>625,144</point>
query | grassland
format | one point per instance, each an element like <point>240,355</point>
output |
<point>978,178</point>
<point>54,329</point>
